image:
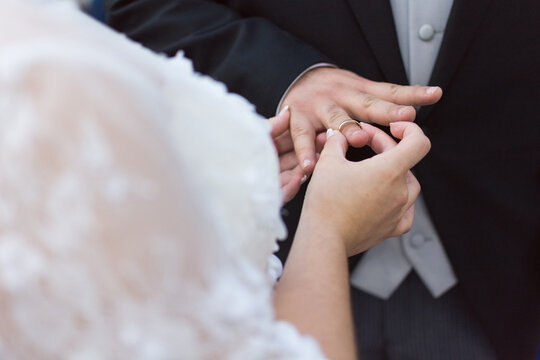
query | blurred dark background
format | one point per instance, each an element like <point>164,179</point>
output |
<point>97,10</point>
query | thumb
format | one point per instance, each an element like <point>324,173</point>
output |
<point>336,144</point>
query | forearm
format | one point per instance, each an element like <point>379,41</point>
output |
<point>313,293</point>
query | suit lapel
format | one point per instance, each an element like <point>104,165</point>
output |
<point>464,20</point>
<point>377,24</point>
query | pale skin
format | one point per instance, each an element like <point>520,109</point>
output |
<point>349,207</point>
<point>325,97</point>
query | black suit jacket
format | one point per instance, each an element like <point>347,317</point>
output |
<point>481,180</point>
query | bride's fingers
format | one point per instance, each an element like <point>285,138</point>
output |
<point>320,140</point>
<point>405,223</point>
<point>405,154</point>
<point>378,140</point>
<point>336,145</point>
<point>413,188</point>
<point>288,161</point>
<point>280,123</point>
<point>411,149</point>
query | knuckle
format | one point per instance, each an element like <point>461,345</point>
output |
<point>406,225</point>
<point>320,93</point>
<point>424,145</point>
<point>391,110</point>
<point>416,188</point>
<point>332,108</point>
<point>386,175</point>
<point>402,196</point>
<point>368,101</point>
<point>418,91</point>
<point>394,90</point>
<point>362,83</point>
<point>427,144</point>
<point>299,131</point>
<point>391,174</point>
<point>335,113</point>
<point>339,85</point>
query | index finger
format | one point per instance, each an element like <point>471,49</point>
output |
<point>412,148</point>
<point>379,141</point>
<point>403,94</point>
<point>405,154</point>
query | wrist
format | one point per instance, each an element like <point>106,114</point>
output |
<point>320,233</point>
<point>300,76</point>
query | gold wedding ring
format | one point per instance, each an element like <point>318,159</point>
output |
<point>349,121</point>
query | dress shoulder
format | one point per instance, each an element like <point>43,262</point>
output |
<point>140,202</point>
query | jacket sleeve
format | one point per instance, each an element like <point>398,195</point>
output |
<point>251,55</point>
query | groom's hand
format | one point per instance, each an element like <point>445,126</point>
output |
<point>325,97</point>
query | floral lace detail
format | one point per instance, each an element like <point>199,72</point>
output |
<point>139,202</point>
<point>242,163</point>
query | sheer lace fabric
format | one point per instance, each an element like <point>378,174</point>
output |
<point>139,202</point>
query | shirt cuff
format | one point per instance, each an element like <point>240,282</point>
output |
<point>319,65</point>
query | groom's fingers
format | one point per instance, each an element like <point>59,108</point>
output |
<point>291,180</point>
<point>303,136</point>
<point>280,123</point>
<point>288,161</point>
<point>326,97</point>
<point>372,109</point>
<point>333,116</point>
<point>320,140</point>
<point>283,143</point>
<point>403,95</point>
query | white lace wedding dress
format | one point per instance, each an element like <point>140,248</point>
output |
<point>139,202</point>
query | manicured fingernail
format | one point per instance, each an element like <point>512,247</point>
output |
<point>304,179</point>
<point>431,90</point>
<point>329,133</point>
<point>356,133</point>
<point>284,109</point>
<point>306,163</point>
<point>402,111</point>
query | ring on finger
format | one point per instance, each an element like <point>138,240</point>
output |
<point>349,121</point>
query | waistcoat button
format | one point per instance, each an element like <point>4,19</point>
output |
<point>426,32</point>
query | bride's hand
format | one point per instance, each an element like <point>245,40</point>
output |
<point>371,200</point>
<point>291,174</point>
